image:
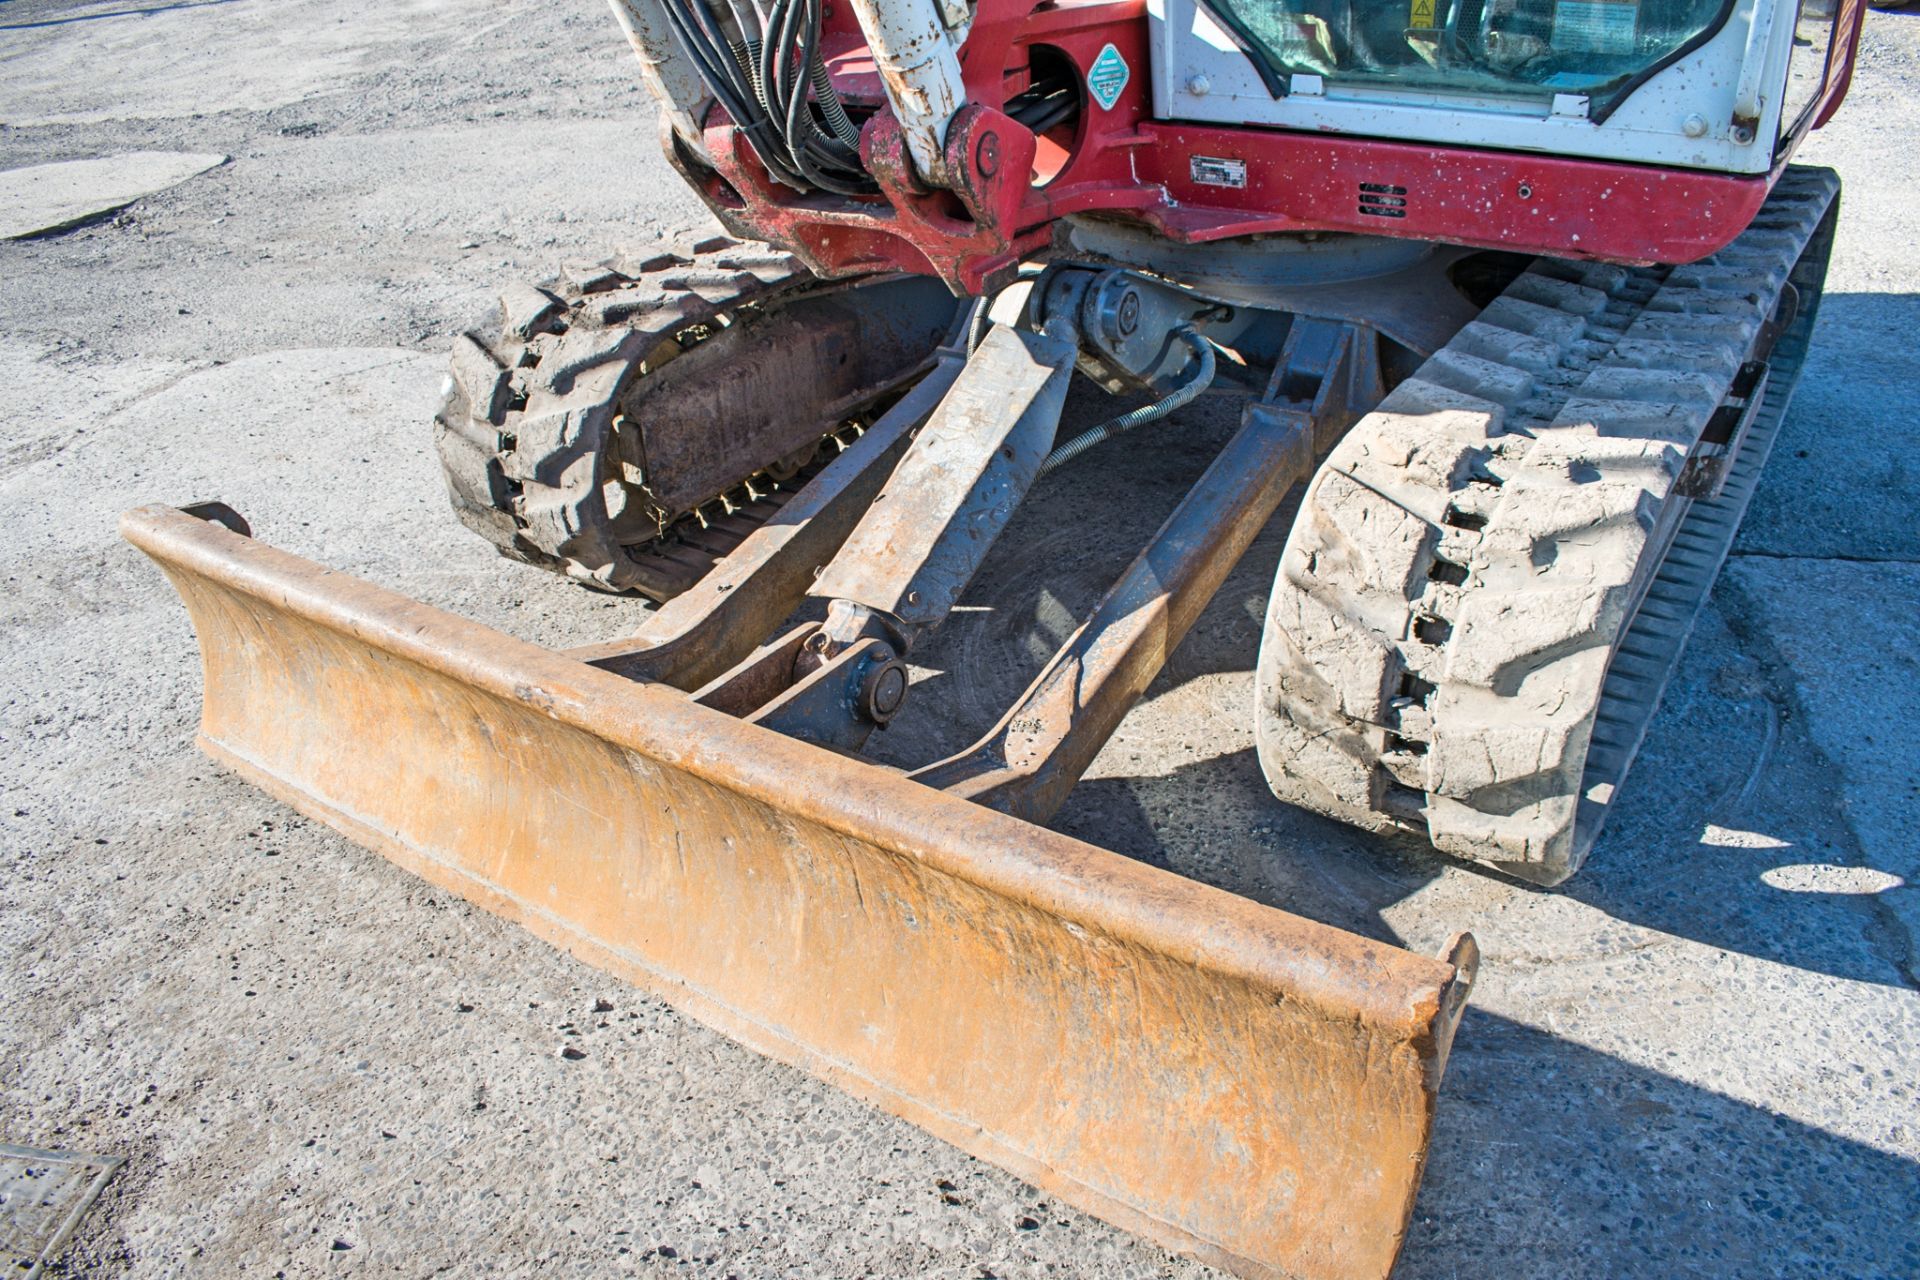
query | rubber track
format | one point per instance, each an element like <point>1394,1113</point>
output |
<point>526,418</point>
<point>1469,559</point>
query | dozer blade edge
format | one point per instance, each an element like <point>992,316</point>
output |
<point>1221,1077</point>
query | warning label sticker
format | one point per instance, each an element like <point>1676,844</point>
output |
<point>1420,16</point>
<point>1107,77</point>
<point>1594,26</point>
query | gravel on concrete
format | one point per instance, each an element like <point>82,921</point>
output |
<point>1700,1058</point>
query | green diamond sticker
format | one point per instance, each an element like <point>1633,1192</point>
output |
<point>1107,77</point>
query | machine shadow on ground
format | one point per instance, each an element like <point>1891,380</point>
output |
<point>1550,1159</point>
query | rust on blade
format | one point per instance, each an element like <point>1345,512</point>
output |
<point>1225,1078</point>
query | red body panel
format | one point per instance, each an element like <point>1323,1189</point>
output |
<point>1122,163</point>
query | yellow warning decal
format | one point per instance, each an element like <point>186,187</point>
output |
<point>1421,14</point>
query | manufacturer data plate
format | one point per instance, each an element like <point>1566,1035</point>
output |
<point>1217,171</point>
<point>1107,77</point>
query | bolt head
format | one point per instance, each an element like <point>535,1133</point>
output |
<point>1694,126</point>
<point>1129,312</point>
<point>884,691</point>
<point>1199,86</point>
<point>987,154</point>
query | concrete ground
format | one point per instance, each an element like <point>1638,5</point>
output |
<point>1700,1058</point>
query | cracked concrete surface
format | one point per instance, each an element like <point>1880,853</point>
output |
<point>1697,1059</point>
<point>40,198</point>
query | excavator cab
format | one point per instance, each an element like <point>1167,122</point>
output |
<point>1543,75</point>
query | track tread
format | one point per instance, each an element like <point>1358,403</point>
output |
<point>1456,591</point>
<point>527,416</point>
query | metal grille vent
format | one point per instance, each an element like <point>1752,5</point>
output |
<point>1379,200</point>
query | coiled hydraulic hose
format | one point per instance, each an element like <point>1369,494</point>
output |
<point>1184,394</point>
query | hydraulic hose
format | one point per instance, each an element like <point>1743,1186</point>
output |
<point>1184,394</point>
<point>979,319</point>
<point>830,107</point>
<point>761,77</point>
<point>978,323</point>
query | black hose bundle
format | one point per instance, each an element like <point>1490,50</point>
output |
<point>769,76</point>
<point>1050,100</point>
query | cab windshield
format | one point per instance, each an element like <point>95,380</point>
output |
<point>1535,48</point>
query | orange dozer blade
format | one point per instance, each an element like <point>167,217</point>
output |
<point>1226,1079</point>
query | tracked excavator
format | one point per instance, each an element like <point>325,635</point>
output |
<point>1518,289</point>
